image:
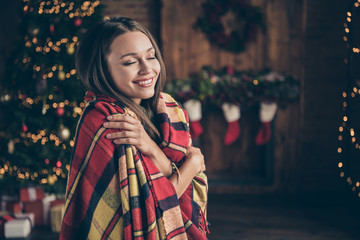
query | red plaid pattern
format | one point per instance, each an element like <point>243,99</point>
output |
<point>116,192</point>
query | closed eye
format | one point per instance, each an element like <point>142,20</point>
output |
<point>128,63</point>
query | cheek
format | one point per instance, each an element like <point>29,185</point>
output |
<point>157,66</point>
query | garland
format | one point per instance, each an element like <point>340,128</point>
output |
<point>231,24</point>
<point>241,88</point>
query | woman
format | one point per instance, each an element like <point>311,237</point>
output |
<point>134,173</point>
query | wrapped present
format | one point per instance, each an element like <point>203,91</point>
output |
<point>3,220</point>
<point>35,207</point>
<point>17,228</point>
<point>41,210</point>
<point>46,206</point>
<point>30,216</point>
<point>11,227</point>
<point>31,194</point>
<point>10,204</point>
<point>13,207</point>
<point>56,216</point>
<point>57,202</point>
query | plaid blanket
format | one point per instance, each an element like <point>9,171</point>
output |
<point>115,192</point>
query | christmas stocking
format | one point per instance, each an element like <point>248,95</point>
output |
<point>193,108</point>
<point>267,114</point>
<point>232,115</point>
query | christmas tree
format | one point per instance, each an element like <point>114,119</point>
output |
<point>41,94</point>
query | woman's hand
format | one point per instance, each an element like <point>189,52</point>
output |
<point>195,158</point>
<point>194,163</point>
<point>131,132</point>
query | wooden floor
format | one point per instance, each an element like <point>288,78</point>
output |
<point>244,217</point>
<point>316,217</point>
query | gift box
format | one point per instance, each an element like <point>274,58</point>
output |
<point>57,202</point>
<point>35,207</point>
<point>56,216</point>
<point>46,206</point>
<point>31,194</point>
<point>3,220</point>
<point>11,227</point>
<point>41,210</point>
<point>30,216</point>
<point>17,228</point>
<point>13,207</point>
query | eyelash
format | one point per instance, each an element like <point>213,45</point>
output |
<point>130,63</point>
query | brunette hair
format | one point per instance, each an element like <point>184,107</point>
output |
<point>92,67</point>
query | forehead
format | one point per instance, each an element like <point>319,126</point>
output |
<point>130,42</point>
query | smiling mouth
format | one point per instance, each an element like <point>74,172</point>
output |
<point>145,83</point>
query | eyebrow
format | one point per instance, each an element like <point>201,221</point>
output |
<point>132,54</point>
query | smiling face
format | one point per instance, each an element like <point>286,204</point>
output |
<point>133,65</point>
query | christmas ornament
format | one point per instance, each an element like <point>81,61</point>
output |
<point>61,75</point>
<point>35,31</point>
<point>70,50</point>
<point>24,128</point>
<point>60,111</point>
<point>44,110</point>
<point>193,108</point>
<point>232,115</point>
<point>5,98</point>
<point>64,132</point>
<point>11,146</point>
<point>52,29</point>
<point>51,180</point>
<point>58,164</point>
<point>267,114</point>
<point>77,22</point>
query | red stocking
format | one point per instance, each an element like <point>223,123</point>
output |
<point>195,129</point>
<point>264,134</point>
<point>193,108</point>
<point>232,132</point>
<point>232,115</point>
<point>267,114</point>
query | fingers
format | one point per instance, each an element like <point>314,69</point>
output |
<point>120,125</point>
<point>121,117</point>
<point>122,122</point>
<point>121,134</point>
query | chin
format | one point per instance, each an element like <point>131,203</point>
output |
<point>147,95</point>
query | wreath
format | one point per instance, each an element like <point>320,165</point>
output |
<point>231,24</point>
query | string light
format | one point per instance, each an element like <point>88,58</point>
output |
<point>40,46</point>
<point>54,7</point>
<point>26,174</point>
<point>352,135</point>
<point>347,28</point>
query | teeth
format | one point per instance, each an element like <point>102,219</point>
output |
<point>144,82</point>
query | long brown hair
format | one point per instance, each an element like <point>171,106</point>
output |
<point>92,67</point>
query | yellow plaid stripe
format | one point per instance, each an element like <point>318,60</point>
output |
<point>83,166</point>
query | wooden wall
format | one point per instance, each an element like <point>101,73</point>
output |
<point>304,39</point>
<point>186,50</point>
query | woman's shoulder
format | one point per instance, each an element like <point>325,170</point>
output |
<point>96,112</point>
<point>168,99</point>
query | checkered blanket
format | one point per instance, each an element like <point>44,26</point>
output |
<point>115,192</point>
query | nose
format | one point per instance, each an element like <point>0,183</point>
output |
<point>145,68</point>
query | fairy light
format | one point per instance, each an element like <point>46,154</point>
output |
<point>40,46</point>
<point>350,131</point>
<point>347,29</point>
